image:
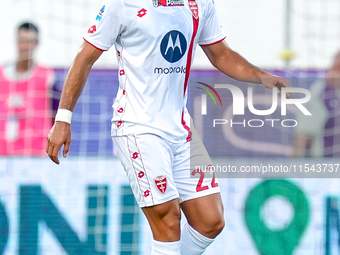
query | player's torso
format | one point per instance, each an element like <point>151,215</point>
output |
<point>154,54</point>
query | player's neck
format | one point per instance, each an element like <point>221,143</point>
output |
<point>23,66</point>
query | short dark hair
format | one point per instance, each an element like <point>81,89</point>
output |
<point>29,26</point>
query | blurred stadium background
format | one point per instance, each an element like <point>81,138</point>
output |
<point>85,206</point>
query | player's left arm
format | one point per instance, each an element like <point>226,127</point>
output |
<point>235,66</point>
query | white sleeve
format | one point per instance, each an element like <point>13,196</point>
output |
<point>211,30</point>
<point>107,26</point>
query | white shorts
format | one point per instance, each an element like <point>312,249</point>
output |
<point>159,171</point>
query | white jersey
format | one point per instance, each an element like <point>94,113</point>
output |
<point>155,42</point>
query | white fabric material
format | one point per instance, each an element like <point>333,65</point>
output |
<point>152,45</point>
<point>64,115</point>
<point>192,242</point>
<point>148,159</point>
<point>165,248</point>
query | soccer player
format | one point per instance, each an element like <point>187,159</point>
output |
<point>318,135</point>
<point>25,105</point>
<point>155,41</point>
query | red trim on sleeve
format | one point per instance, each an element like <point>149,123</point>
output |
<point>93,45</point>
<point>213,42</point>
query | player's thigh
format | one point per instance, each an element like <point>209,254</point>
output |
<point>147,160</point>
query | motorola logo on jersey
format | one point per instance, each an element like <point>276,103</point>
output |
<point>173,46</point>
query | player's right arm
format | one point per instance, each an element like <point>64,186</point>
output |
<point>60,133</point>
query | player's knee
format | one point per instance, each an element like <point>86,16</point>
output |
<point>214,224</point>
<point>172,224</point>
<point>169,225</point>
<point>213,227</point>
<point>219,225</point>
<point>171,219</point>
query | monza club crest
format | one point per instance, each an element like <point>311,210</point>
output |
<point>161,183</point>
<point>194,8</point>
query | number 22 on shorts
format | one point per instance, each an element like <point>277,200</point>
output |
<point>199,186</point>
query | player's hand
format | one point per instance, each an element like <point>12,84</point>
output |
<point>271,81</point>
<point>59,135</point>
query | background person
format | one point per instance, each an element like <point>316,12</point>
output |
<point>318,135</point>
<point>27,98</point>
